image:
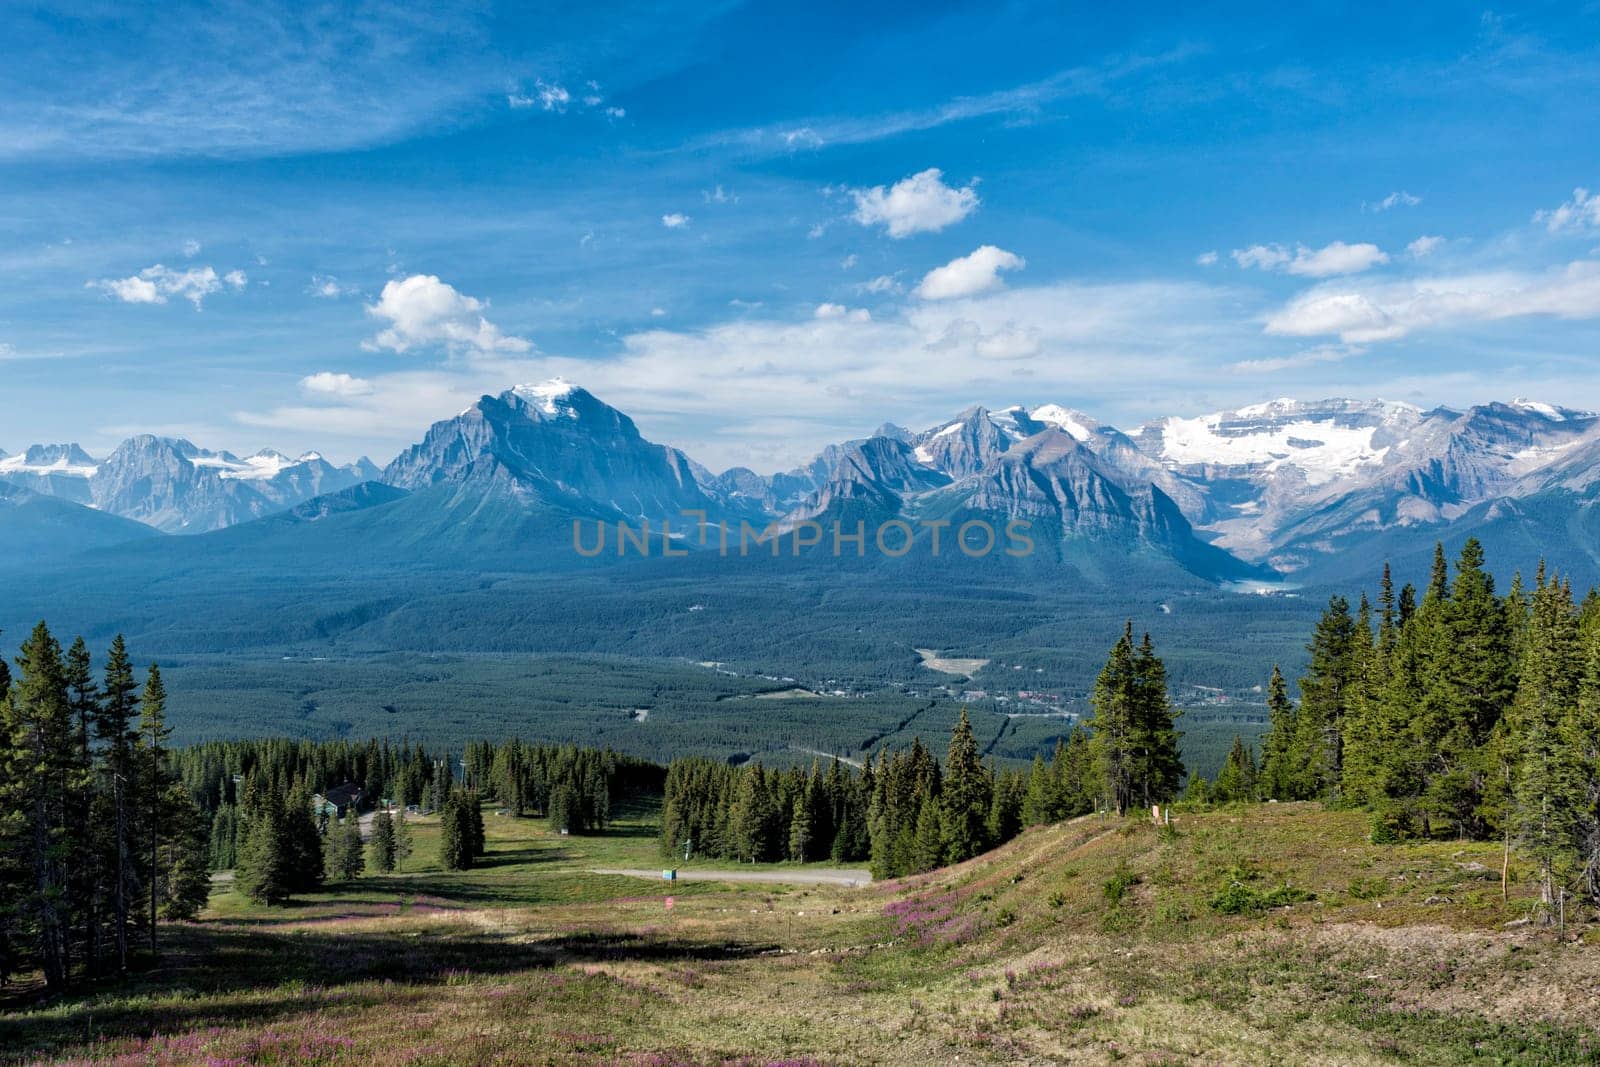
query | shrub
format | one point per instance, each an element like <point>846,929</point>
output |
<point>1118,884</point>
<point>1240,899</point>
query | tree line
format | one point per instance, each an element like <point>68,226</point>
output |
<point>99,840</point>
<point>907,812</point>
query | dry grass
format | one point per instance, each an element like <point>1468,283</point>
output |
<point>1089,942</point>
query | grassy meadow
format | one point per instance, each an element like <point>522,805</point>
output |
<point>1271,934</point>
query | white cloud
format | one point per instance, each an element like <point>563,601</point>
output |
<point>969,275</point>
<point>658,313</point>
<point>423,311</point>
<point>848,262</point>
<point>1324,262</point>
<point>839,311</point>
<point>191,248</point>
<point>1385,312</point>
<point>1423,246</point>
<point>327,383</point>
<point>1583,210</point>
<point>883,283</point>
<point>676,220</point>
<point>1206,259</point>
<point>552,97</point>
<point>154,285</point>
<point>718,195</point>
<point>1399,198</point>
<point>327,287</point>
<point>616,113</point>
<point>922,203</point>
<point>817,230</point>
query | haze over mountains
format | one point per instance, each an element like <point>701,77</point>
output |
<point>1302,489</point>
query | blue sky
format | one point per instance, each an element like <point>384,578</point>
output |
<point>759,230</point>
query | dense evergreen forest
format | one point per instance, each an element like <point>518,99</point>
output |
<point>261,799</point>
<point>1465,712</point>
<point>908,813</point>
<point>98,838</point>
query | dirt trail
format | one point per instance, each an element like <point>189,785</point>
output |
<point>816,876</point>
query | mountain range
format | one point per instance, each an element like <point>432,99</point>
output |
<point>1284,489</point>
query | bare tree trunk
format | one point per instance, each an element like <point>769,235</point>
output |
<point>122,877</point>
<point>1505,866</point>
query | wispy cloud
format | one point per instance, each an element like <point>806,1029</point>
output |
<point>1398,198</point>
<point>1024,100</point>
<point>1581,212</point>
<point>1331,259</point>
<point>1309,358</point>
<point>154,285</point>
<point>247,80</point>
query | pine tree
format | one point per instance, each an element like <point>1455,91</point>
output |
<point>799,831</point>
<point>302,841</point>
<point>114,730</point>
<point>1005,813</point>
<point>928,837</point>
<point>1549,791</point>
<point>85,866</point>
<point>153,783</point>
<point>1316,754</point>
<point>382,846</point>
<point>1113,723</point>
<point>966,796</point>
<point>183,864</point>
<point>454,845</point>
<point>348,854</point>
<point>39,743</point>
<point>1237,779</point>
<point>1158,763</point>
<point>265,871</point>
<point>403,842</point>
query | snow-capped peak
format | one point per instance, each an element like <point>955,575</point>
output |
<point>1548,411</point>
<point>1326,439</point>
<point>1079,425</point>
<point>546,394</point>
<point>66,460</point>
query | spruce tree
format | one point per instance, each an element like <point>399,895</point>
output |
<point>403,841</point>
<point>86,867</point>
<point>1158,763</point>
<point>1549,789</point>
<point>265,873</point>
<point>114,729</point>
<point>39,743</point>
<point>1112,724</point>
<point>1316,754</point>
<point>349,856</point>
<point>928,837</point>
<point>154,781</point>
<point>966,796</point>
<point>382,846</point>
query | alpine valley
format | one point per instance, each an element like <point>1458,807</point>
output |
<point>291,591</point>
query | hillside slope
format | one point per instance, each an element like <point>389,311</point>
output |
<point>1089,942</point>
